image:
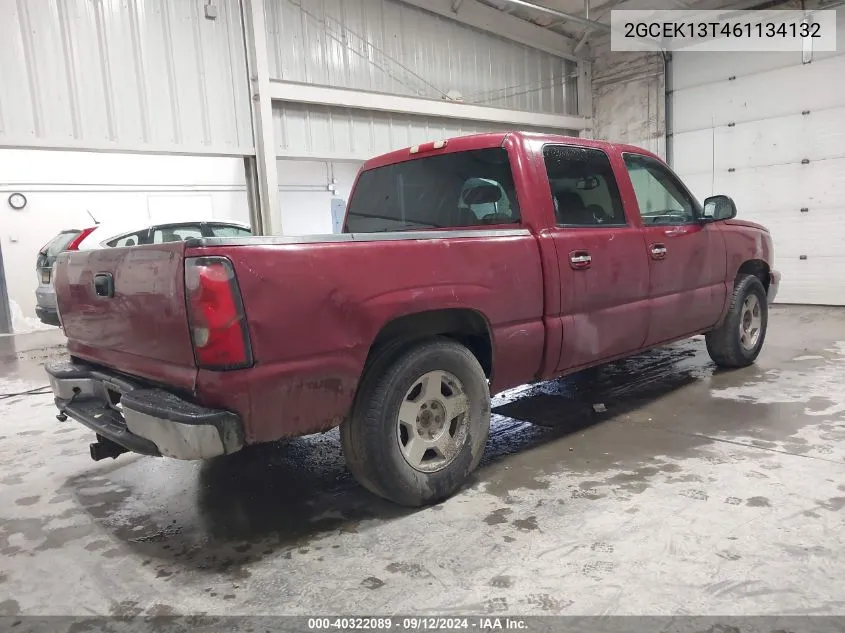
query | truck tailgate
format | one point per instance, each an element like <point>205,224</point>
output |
<point>125,308</point>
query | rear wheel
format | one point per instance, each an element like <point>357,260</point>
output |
<point>738,341</point>
<point>419,424</point>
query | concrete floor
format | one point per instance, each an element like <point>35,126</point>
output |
<point>695,492</point>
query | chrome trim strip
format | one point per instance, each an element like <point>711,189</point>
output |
<point>274,240</point>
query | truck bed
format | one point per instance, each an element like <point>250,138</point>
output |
<point>314,307</point>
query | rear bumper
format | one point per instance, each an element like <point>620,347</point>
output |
<point>774,285</point>
<point>50,316</point>
<point>142,419</point>
<point>45,304</point>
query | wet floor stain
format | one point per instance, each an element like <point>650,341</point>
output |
<point>502,582</point>
<point>409,569</point>
<point>758,502</point>
<point>527,524</point>
<point>371,582</point>
<point>498,516</point>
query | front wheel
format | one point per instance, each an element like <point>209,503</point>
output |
<point>419,424</point>
<point>738,341</point>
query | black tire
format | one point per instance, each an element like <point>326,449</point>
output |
<point>371,438</point>
<point>724,343</point>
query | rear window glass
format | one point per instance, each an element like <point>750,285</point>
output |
<point>448,191</point>
<point>59,243</point>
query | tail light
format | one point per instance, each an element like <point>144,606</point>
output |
<point>216,314</point>
<point>74,245</point>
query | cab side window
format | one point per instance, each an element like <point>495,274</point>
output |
<point>661,197</point>
<point>583,187</point>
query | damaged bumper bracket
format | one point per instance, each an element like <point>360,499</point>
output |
<point>142,419</point>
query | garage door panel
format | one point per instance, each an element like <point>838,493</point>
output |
<point>699,184</point>
<point>820,232</point>
<point>817,136</point>
<point>820,184</point>
<point>691,69</point>
<point>816,280</point>
<point>781,92</point>
<point>757,158</point>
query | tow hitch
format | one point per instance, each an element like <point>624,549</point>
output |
<point>104,447</point>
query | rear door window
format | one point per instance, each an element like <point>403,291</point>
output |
<point>462,189</point>
<point>584,190</point>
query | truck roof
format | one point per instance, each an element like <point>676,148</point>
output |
<point>490,139</point>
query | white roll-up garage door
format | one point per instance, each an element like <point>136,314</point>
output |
<point>769,131</point>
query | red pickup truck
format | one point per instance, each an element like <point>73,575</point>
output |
<point>465,267</point>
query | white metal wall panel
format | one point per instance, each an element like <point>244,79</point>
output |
<point>386,46</point>
<point>769,131</point>
<point>120,190</point>
<point>148,75</point>
<point>309,131</point>
<point>304,195</point>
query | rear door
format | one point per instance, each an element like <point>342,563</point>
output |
<point>687,259</point>
<point>125,308</point>
<point>603,268</point>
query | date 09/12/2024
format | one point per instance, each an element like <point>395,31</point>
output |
<point>416,624</point>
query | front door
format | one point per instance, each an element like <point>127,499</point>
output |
<point>687,259</point>
<point>603,269</point>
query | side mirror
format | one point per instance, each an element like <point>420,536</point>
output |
<point>718,208</point>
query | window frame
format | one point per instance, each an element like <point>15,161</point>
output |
<point>696,206</point>
<point>614,225</point>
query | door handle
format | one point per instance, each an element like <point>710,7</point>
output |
<point>580,260</point>
<point>658,251</point>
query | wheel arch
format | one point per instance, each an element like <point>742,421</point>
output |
<point>757,267</point>
<point>467,326</point>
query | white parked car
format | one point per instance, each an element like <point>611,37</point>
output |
<point>104,236</point>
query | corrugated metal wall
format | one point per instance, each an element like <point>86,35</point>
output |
<point>386,46</point>
<point>346,134</point>
<point>629,98</point>
<point>153,75</point>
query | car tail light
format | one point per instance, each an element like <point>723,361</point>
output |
<point>216,314</point>
<point>74,245</point>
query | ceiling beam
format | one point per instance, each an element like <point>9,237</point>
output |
<point>566,17</point>
<point>369,101</point>
<point>480,16</point>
